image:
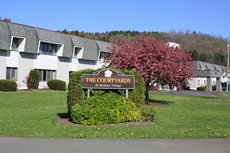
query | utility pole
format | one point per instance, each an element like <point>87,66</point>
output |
<point>227,72</point>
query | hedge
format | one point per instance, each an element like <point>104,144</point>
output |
<point>57,85</point>
<point>8,85</point>
<point>75,92</point>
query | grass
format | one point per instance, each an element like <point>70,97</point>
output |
<point>35,114</point>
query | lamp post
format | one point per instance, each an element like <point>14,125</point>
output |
<point>227,72</point>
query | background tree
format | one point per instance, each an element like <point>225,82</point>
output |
<point>219,58</point>
<point>154,60</point>
<point>194,54</point>
<point>5,19</point>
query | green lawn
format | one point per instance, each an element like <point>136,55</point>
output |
<point>34,114</point>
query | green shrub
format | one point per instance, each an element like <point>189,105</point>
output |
<point>75,92</point>
<point>57,85</point>
<point>8,85</point>
<point>106,108</point>
<point>33,79</point>
<point>148,113</point>
<point>136,95</point>
<point>201,88</point>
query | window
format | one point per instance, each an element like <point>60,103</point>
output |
<point>18,44</point>
<point>11,73</point>
<point>213,82</point>
<point>77,52</point>
<point>198,84</point>
<point>104,56</point>
<point>15,44</point>
<point>48,48</point>
<point>46,75</point>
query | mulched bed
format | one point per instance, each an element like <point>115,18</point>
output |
<point>67,122</point>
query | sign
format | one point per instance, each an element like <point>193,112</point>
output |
<point>108,79</point>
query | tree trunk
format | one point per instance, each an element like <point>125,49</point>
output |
<point>146,92</point>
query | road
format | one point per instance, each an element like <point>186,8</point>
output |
<point>37,145</point>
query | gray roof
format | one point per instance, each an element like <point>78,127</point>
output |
<point>103,46</point>
<point>27,32</point>
<point>49,36</point>
<point>204,69</point>
<point>68,45</point>
<point>90,45</point>
<point>33,35</point>
<point>16,30</point>
<point>77,41</point>
<point>5,36</point>
<point>31,45</point>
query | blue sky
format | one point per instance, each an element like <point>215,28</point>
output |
<point>206,16</point>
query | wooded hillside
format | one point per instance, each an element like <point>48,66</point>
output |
<point>203,47</point>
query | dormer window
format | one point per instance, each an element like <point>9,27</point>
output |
<point>201,67</point>
<point>104,56</point>
<point>47,48</point>
<point>50,48</point>
<point>18,43</point>
<point>15,44</point>
<point>78,51</point>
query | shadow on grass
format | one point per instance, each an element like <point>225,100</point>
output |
<point>65,119</point>
<point>63,115</point>
<point>154,101</point>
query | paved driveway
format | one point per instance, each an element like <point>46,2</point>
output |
<point>194,93</point>
<point>31,145</point>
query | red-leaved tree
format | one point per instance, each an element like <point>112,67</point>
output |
<point>154,59</point>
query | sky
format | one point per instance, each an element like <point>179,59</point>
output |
<point>205,16</point>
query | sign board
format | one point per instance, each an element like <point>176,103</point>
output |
<point>108,79</point>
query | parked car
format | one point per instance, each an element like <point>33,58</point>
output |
<point>224,86</point>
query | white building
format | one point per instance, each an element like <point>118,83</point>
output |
<point>55,55</point>
<point>173,44</point>
<point>207,74</point>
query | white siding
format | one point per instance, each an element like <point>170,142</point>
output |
<point>197,82</point>
<point>2,64</point>
<point>25,64</point>
<point>47,62</point>
<point>80,64</point>
<point>86,64</point>
<point>63,69</point>
<point>12,59</point>
<point>193,83</point>
<point>73,66</point>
